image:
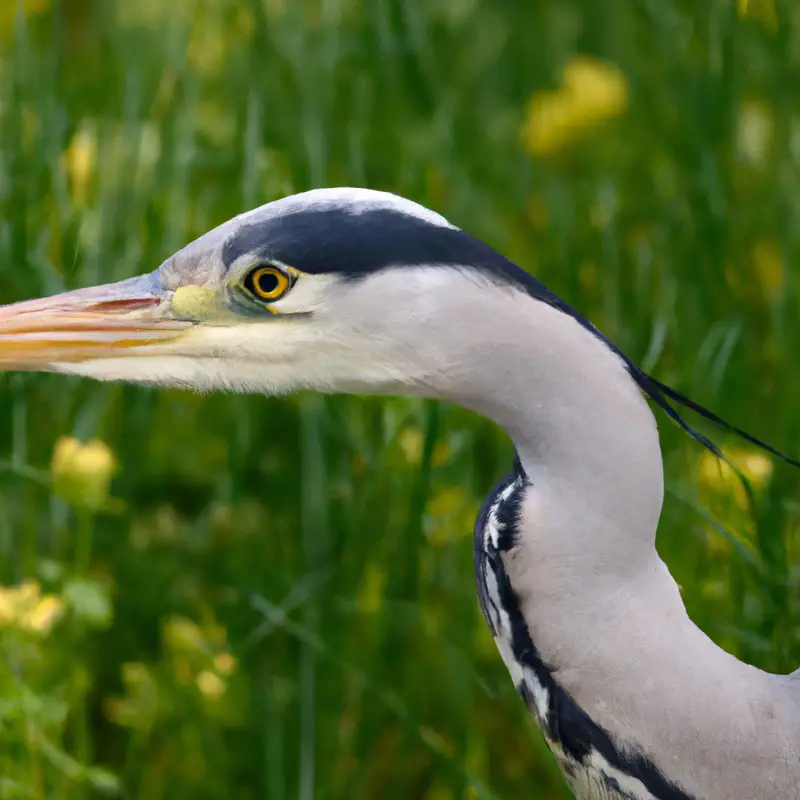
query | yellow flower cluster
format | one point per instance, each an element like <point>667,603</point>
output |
<point>82,473</point>
<point>592,91</point>
<point>211,682</point>
<point>25,608</point>
<point>192,649</point>
<point>200,663</point>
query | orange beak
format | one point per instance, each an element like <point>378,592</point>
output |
<point>97,322</point>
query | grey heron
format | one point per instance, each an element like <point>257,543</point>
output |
<point>352,290</point>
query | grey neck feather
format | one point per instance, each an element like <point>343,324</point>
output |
<point>600,605</point>
<point>582,428</point>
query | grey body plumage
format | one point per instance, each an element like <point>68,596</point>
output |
<point>350,290</point>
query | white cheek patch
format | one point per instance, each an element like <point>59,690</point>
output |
<point>414,291</point>
<point>400,294</point>
<point>310,293</point>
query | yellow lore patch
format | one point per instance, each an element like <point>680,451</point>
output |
<point>194,302</point>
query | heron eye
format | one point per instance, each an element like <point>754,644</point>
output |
<point>267,283</point>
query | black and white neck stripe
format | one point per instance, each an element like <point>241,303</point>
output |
<point>596,767</point>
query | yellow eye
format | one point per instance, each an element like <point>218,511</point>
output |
<point>267,283</point>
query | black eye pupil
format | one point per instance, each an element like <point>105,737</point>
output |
<point>266,282</point>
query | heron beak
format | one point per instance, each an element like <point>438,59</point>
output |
<point>98,322</point>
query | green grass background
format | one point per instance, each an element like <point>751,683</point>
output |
<point>322,546</point>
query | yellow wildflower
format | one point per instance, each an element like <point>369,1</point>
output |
<point>592,91</point>
<point>598,89</point>
<point>225,663</point>
<point>410,441</point>
<point>24,607</point>
<point>14,600</point>
<point>82,473</point>
<point>42,617</point>
<point>210,684</point>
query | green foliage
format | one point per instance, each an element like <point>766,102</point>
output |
<point>277,598</point>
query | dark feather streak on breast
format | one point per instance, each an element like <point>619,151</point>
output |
<point>566,727</point>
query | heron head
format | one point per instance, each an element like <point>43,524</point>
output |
<point>333,290</point>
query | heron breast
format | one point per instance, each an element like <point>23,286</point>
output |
<point>594,764</point>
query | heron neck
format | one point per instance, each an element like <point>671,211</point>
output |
<point>584,433</point>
